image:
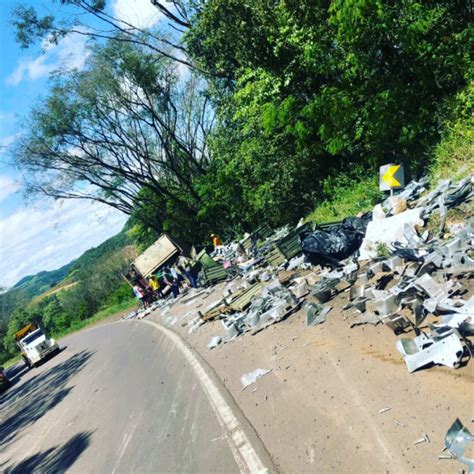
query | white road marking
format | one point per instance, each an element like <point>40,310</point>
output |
<point>126,440</point>
<point>244,453</point>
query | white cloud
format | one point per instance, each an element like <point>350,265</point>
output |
<point>36,239</point>
<point>139,13</point>
<point>8,186</point>
<point>69,53</point>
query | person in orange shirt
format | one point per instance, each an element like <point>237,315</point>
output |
<point>216,241</point>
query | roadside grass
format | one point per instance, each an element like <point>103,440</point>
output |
<point>453,156</point>
<point>112,310</point>
<point>349,199</point>
<point>105,313</point>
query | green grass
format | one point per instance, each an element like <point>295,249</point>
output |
<point>99,316</point>
<point>11,361</point>
<point>348,200</point>
<point>78,325</point>
<point>453,156</point>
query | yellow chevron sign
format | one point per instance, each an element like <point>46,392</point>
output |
<point>391,177</point>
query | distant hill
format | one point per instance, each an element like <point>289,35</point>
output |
<point>43,281</point>
<point>33,286</point>
<point>90,257</point>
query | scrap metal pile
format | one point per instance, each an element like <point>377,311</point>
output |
<point>407,265</point>
<point>394,271</point>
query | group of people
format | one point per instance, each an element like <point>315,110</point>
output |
<point>179,275</point>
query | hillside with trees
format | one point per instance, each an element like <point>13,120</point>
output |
<point>62,298</point>
<point>237,112</point>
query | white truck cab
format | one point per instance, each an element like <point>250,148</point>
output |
<point>35,345</point>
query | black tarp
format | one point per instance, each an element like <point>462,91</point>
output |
<point>327,247</point>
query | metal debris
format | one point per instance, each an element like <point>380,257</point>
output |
<point>316,314</point>
<point>457,440</point>
<point>402,276</point>
<point>214,342</point>
<point>423,439</point>
<point>443,347</point>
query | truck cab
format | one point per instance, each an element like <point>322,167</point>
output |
<point>35,345</point>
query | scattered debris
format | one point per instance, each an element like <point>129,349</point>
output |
<point>423,439</point>
<point>457,440</point>
<point>443,346</point>
<point>214,342</point>
<point>393,271</point>
<point>316,314</point>
<point>251,377</point>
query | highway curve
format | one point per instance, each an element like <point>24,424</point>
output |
<point>118,398</point>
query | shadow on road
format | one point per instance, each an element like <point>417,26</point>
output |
<point>57,459</point>
<point>25,404</point>
<point>16,372</point>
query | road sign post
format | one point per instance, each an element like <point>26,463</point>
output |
<point>391,177</point>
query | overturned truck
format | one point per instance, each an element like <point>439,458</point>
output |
<point>164,252</point>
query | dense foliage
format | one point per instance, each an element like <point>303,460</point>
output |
<point>301,92</point>
<point>313,89</point>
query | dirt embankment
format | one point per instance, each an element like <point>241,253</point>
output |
<point>319,408</point>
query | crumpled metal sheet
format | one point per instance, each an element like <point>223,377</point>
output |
<point>367,318</point>
<point>464,323</point>
<point>457,440</point>
<point>443,347</point>
<point>383,303</point>
<point>214,342</point>
<point>316,314</point>
<point>448,194</point>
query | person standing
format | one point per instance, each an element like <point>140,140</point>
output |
<point>155,286</point>
<point>185,264</point>
<point>171,282</point>
<point>139,294</point>
<point>216,240</point>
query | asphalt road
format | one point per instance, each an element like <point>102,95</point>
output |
<point>118,398</point>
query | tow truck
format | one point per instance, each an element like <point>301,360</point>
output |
<point>35,345</point>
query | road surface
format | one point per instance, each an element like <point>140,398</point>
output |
<point>118,398</point>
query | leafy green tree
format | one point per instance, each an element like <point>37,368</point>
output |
<point>314,89</point>
<point>92,19</point>
<point>54,317</point>
<point>125,132</point>
<point>20,318</point>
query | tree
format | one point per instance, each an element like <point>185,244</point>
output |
<point>320,88</point>
<point>91,18</point>
<point>126,132</point>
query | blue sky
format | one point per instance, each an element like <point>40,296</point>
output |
<point>45,234</point>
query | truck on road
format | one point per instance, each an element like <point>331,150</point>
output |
<point>34,344</point>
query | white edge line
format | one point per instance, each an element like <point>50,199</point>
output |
<point>244,453</point>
